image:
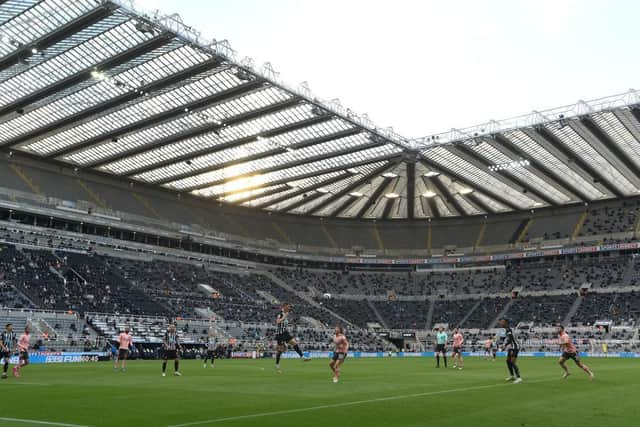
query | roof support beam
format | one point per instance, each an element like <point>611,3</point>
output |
<point>571,156</point>
<point>350,188</point>
<point>303,190</point>
<point>374,197</point>
<point>343,206</point>
<point>279,167</point>
<point>291,178</point>
<point>85,74</point>
<point>477,201</point>
<point>305,199</point>
<point>411,189</point>
<point>386,212</point>
<point>154,120</point>
<point>235,143</point>
<point>610,145</point>
<point>172,115</point>
<point>494,194</point>
<point>56,35</point>
<point>446,195</point>
<point>499,142</point>
<point>115,102</point>
<point>276,190</point>
<point>508,178</point>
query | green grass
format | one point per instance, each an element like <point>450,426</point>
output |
<point>418,394</point>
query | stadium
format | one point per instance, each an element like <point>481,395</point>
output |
<point>188,240</point>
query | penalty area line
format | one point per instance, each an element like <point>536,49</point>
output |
<point>38,422</point>
<point>353,403</point>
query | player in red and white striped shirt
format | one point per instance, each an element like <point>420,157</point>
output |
<point>569,351</point>
<point>340,352</point>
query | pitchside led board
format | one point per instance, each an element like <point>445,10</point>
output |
<point>62,357</point>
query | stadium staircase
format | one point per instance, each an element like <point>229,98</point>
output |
<point>432,307</point>
<point>377,313</point>
<point>469,313</point>
<point>500,315</point>
<point>573,310</point>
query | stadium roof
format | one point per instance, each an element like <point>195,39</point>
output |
<point>98,86</point>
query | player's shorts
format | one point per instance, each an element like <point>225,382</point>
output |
<point>339,355</point>
<point>457,350</point>
<point>283,338</point>
<point>24,355</point>
<point>123,353</point>
<point>440,348</point>
<point>5,355</point>
<point>211,354</point>
<point>573,356</point>
<point>513,353</point>
<point>170,354</point>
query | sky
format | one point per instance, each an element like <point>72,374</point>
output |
<point>424,66</point>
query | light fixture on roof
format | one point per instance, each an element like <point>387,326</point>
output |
<point>353,171</point>
<point>317,111</point>
<point>34,50</point>
<point>537,204</point>
<point>98,75</point>
<point>389,175</point>
<point>242,74</point>
<point>516,164</point>
<point>465,190</point>
<point>144,27</point>
<point>292,185</point>
<point>431,174</point>
<point>392,195</point>
<point>323,190</point>
<point>186,110</point>
<point>356,194</point>
<point>428,194</point>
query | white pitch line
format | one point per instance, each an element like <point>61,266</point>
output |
<point>44,423</point>
<point>353,403</point>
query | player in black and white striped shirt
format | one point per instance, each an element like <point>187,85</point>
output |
<point>512,346</point>
<point>283,337</point>
<point>8,341</point>
<point>212,344</point>
<point>171,348</point>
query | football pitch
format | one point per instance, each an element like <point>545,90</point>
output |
<point>372,392</point>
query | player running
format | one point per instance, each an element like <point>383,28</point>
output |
<point>458,340</point>
<point>125,340</point>
<point>441,347</point>
<point>569,351</point>
<point>283,337</point>
<point>171,347</point>
<point>340,352</point>
<point>8,341</point>
<point>23,351</point>
<point>513,348</point>
<point>212,345</point>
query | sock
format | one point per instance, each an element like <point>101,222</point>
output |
<point>6,366</point>
<point>438,360</point>
<point>510,366</point>
<point>176,365</point>
<point>278,354</point>
<point>445,361</point>
<point>297,350</point>
<point>213,359</point>
<point>337,371</point>
<point>164,367</point>
<point>516,370</point>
